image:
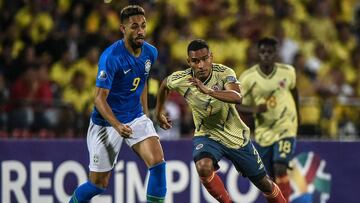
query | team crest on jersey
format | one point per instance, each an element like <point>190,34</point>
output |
<point>282,83</point>
<point>199,146</point>
<point>102,75</point>
<point>147,66</point>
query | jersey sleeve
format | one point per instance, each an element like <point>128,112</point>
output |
<point>176,80</point>
<point>152,51</point>
<point>106,72</point>
<point>245,89</point>
<point>171,81</point>
<point>229,76</point>
<point>155,55</point>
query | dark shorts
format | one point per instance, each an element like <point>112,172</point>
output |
<point>246,159</point>
<point>281,151</point>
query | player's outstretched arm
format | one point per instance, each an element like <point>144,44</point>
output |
<point>103,107</point>
<point>164,121</point>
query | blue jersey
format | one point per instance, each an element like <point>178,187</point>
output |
<point>125,76</point>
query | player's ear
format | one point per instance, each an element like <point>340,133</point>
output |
<point>122,28</point>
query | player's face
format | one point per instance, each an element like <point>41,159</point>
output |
<point>134,30</point>
<point>201,62</point>
<point>267,55</point>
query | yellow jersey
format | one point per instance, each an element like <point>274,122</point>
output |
<point>280,119</point>
<point>214,118</point>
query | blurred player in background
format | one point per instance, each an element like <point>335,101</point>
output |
<point>120,111</point>
<point>211,90</point>
<point>270,93</point>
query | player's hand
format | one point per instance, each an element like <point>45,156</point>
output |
<point>199,85</point>
<point>124,130</point>
<point>164,121</point>
<point>261,108</point>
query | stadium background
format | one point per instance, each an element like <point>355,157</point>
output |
<point>48,64</point>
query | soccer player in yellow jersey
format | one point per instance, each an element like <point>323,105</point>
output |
<point>212,90</point>
<point>269,92</point>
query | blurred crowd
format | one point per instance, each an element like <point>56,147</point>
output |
<point>49,51</point>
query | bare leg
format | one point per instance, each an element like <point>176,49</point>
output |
<point>211,180</point>
<point>100,179</point>
<point>151,152</point>
<point>282,179</point>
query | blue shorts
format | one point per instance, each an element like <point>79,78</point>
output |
<point>281,151</point>
<point>245,159</point>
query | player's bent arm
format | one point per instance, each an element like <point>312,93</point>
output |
<point>231,94</point>
<point>103,107</point>
<point>144,99</point>
<point>164,122</point>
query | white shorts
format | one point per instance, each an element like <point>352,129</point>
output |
<point>104,143</point>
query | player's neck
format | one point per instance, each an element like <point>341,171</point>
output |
<point>135,51</point>
<point>267,69</point>
<point>204,79</point>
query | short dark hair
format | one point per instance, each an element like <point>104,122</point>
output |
<point>131,10</point>
<point>267,41</point>
<point>197,44</point>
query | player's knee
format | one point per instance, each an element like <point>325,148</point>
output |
<point>205,167</point>
<point>264,184</point>
<point>156,160</point>
<point>153,161</point>
<point>101,181</point>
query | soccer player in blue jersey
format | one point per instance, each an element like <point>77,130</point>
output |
<point>120,111</point>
